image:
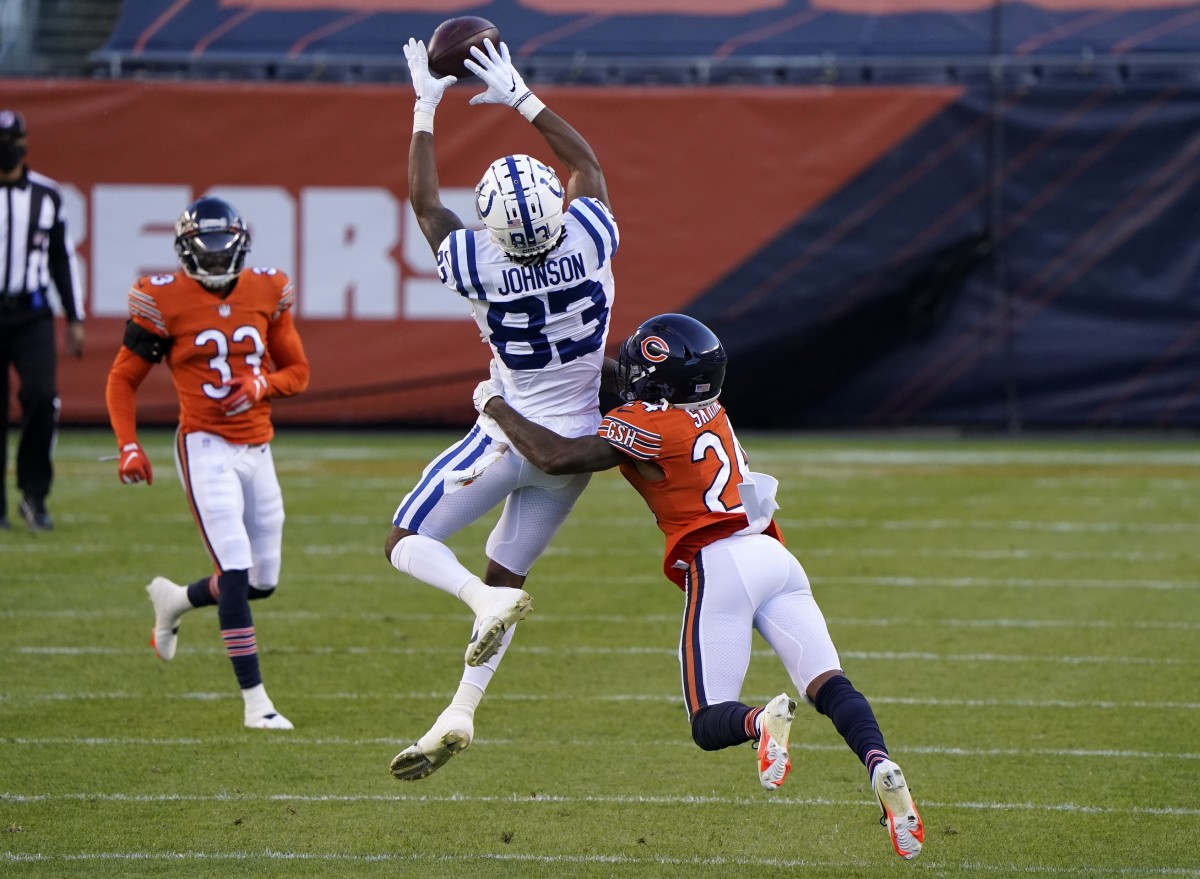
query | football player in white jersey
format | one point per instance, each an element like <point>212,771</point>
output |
<point>539,282</point>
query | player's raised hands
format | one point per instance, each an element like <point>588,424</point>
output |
<point>504,84</point>
<point>428,87</point>
<point>133,465</point>
<point>244,393</point>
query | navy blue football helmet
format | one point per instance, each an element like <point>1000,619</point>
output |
<point>671,357</point>
<point>212,241</point>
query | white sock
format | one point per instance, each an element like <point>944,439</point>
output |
<point>466,699</point>
<point>481,675</point>
<point>473,590</point>
<point>258,702</point>
<point>431,562</point>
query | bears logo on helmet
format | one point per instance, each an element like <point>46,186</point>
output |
<point>655,349</point>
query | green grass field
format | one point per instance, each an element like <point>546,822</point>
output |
<point>1024,616</point>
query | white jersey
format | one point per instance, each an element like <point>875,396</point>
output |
<point>546,323</point>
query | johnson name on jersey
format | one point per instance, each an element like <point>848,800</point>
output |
<point>213,339</point>
<point>546,323</point>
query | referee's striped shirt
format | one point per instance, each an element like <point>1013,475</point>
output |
<point>35,247</point>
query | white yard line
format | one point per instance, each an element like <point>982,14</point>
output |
<point>863,655</point>
<point>926,864</point>
<point>542,799</point>
<point>681,742</point>
<point>140,612</point>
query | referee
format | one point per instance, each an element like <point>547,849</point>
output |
<point>34,249</point>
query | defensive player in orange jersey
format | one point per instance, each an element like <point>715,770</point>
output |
<point>228,336</point>
<point>676,447</point>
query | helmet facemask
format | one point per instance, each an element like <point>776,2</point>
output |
<point>520,200</point>
<point>212,241</point>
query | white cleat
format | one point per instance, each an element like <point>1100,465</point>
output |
<point>502,606</point>
<point>450,733</point>
<point>774,763</point>
<point>270,720</point>
<point>899,811</point>
<point>170,604</point>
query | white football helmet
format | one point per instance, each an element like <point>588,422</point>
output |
<point>520,200</point>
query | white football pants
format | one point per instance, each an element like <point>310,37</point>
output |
<point>535,504</point>
<point>735,586</point>
<point>236,501</point>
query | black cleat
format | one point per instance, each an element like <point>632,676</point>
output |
<point>33,511</point>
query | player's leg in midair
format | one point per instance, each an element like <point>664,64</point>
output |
<point>723,587</point>
<point>437,508</point>
<point>533,512</point>
<point>791,622</point>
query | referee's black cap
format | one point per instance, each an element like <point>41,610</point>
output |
<point>12,124</point>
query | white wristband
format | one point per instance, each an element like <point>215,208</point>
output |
<point>422,121</point>
<point>529,105</point>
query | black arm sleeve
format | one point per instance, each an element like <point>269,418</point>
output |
<point>60,271</point>
<point>144,343</point>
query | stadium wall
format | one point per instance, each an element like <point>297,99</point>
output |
<point>870,255</point>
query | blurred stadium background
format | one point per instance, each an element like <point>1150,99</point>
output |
<point>894,212</point>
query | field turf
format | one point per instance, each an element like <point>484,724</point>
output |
<point>1023,615</point>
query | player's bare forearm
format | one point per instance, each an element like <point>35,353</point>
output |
<point>547,450</point>
<point>435,219</point>
<point>585,178</point>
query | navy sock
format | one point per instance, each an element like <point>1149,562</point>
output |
<point>852,717</point>
<point>723,725</point>
<point>203,592</point>
<point>237,627</point>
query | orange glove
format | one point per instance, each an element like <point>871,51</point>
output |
<point>245,393</point>
<point>134,466</point>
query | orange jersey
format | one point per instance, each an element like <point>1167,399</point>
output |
<point>697,502</point>
<point>213,339</point>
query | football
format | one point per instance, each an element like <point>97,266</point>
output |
<point>451,43</point>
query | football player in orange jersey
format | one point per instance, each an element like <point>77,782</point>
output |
<point>228,336</point>
<point>674,444</point>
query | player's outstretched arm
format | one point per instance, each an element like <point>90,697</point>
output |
<point>506,86</point>
<point>547,450</point>
<point>435,219</point>
<point>585,179</point>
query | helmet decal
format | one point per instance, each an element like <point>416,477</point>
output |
<point>520,201</point>
<point>655,349</point>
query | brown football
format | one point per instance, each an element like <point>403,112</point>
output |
<point>451,43</point>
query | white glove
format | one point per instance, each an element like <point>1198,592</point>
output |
<point>484,391</point>
<point>428,87</point>
<point>504,84</point>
